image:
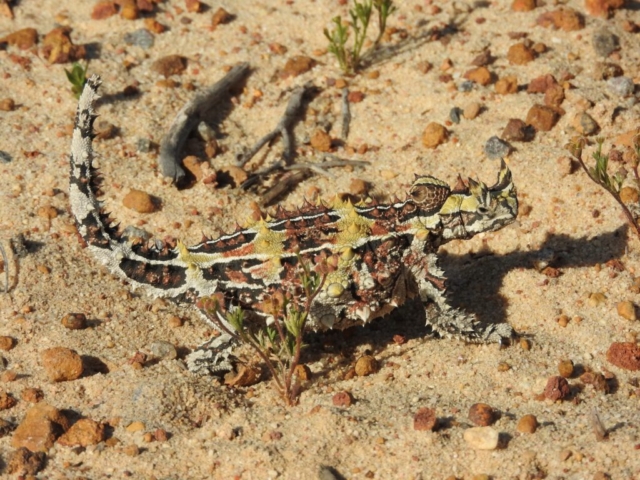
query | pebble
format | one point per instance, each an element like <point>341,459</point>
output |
<point>507,85</point>
<point>554,96</point>
<point>303,372</point>
<point>41,426</point>
<point>163,349</point>
<point>472,110</point>
<point>595,299</point>
<point>23,39</point>
<point>297,65</point>
<point>602,8</point>
<point>621,86</point>
<point>194,6</point>
<point>74,321</point>
<point>61,364</point>
<point>607,70</point>
<point>141,38</point>
<point>604,42</point>
<point>496,148</point>
<point>170,65</point>
<point>434,135</point>
<point>136,426</point>
<point>625,355</point>
<point>7,343</point>
<point>83,433</point>
<point>425,419</point>
<point>627,310</point>
<point>32,395</point>
<point>585,124</point>
<point>23,462</point>
<point>629,195</point>
<point>557,388</point>
<point>5,157</point>
<point>136,234</point>
<point>193,165</point>
<point>7,104</point>
<point>527,424</point>
<point>321,141</point>
<point>597,380</point>
<point>366,365</point>
<point>140,201</point>
<point>220,17</point>
<point>480,75</point>
<point>105,130</point>
<point>357,186</point>
<point>143,145</point>
<point>541,117</point>
<point>565,368</point>
<point>103,9</point>
<point>520,54</point>
<point>523,5</point>
<point>466,86</point>
<point>515,131</point>
<point>57,47</point>
<point>541,84</point>
<point>482,438</point>
<point>481,414</point>
<point>454,114</point>
<point>342,399</point>
<point>566,19</point>
<point>6,400</point>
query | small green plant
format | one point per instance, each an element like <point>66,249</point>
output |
<point>611,183</point>
<point>77,76</point>
<point>350,58</point>
<point>279,344</point>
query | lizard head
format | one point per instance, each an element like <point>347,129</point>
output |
<point>479,208</point>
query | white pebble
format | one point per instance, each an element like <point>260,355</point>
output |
<point>482,438</point>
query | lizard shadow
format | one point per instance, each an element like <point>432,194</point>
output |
<point>474,283</point>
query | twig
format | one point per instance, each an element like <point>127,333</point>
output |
<point>6,268</point>
<point>598,428</point>
<point>346,113</point>
<point>188,119</point>
<point>281,187</point>
<point>282,128</point>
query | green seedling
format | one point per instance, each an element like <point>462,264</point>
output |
<point>77,76</point>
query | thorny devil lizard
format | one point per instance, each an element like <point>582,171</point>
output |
<point>384,254</point>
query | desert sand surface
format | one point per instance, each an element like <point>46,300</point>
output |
<point>162,422</point>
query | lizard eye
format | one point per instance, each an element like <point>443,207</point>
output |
<point>483,210</point>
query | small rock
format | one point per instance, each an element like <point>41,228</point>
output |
<point>32,395</point>
<point>163,349</point>
<point>61,364</point>
<point>143,145</point>
<point>247,375</point>
<point>554,96</point>
<point>482,438</point>
<point>496,148</point>
<point>434,135</point>
<point>542,117</point>
<point>24,38</point>
<point>566,19</point>
<point>596,380</point>
<point>595,299</point>
<point>585,124</point>
<point>523,5</point>
<point>527,424</point>
<point>629,195</point>
<point>565,368</point>
<point>425,419</point>
<point>141,38</point>
<point>480,75</point>
<point>624,355</point>
<point>454,115</point>
<point>303,372</point>
<point>193,6</point>
<point>74,321</point>
<point>237,175</point>
<point>104,9</point>
<point>129,9</point>
<point>465,86</point>
<point>602,8</point>
<point>220,17</point>
<point>83,433</point>
<point>23,462</point>
<point>104,130</point>
<point>193,165</point>
<point>170,65</point>
<point>520,54</point>
<point>40,428</point>
<point>355,97</point>
<point>358,186</point>
<point>483,59</point>
<point>7,343</point>
<point>366,365</point>
<point>297,66</point>
<point>131,450</point>
<point>7,105</point>
<point>557,388</point>
<point>515,131</point>
<point>541,84</point>
<point>47,211</point>
<point>136,426</point>
<point>507,85</point>
<point>6,400</point>
<point>472,110</point>
<point>607,70</point>
<point>481,414</point>
<point>604,42</point>
<point>140,201</point>
<point>154,26</point>
<point>57,47</point>
<point>321,141</point>
<point>622,86</point>
<point>342,399</point>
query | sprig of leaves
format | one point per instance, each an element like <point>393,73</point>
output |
<point>77,76</point>
<point>350,58</point>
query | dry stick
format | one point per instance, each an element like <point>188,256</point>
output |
<point>346,113</point>
<point>283,127</point>
<point>188,119</point>
<point>6,269</point>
